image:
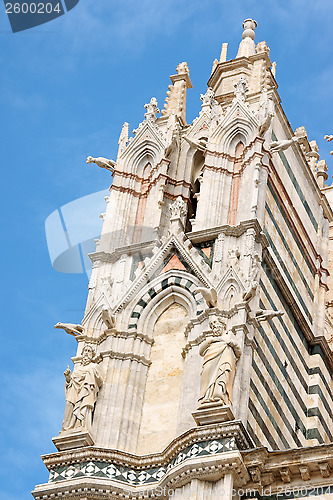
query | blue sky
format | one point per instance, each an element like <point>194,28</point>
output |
<point>66,89</point>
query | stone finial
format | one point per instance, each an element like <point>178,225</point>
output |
<point>223,56</point>
<point>178,208</point>
<point>303,140</point>
<point>175,101</point>
<point>208,98</point>
<point>123,139</point>
<point>152,109</point>
<point>313,156</point>
<point>215,63</point>
<point>182,69</point>
<point>247,46</point>
<point>210,106</point>
<point>241,89</point>
<point>322,173</point>
<point>262,47</point>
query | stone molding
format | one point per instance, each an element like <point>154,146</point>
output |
<point>126,355</point>
<point>155,261</point>
<point>254,468</point>
<point>215,468</point>
<point>227,230</point>
<point>294,467</point>
<point>234,429</point>
<point>206,453</point>
<point>73,438</point>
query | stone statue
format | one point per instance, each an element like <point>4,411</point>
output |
<point>254,277</point>
<point>102,162</point>
<point>277,146</point>
<point>265,113</point>
<point>70,328</point>
<point>241,89</point>
<point>220,353</point>
<point>81,389</point>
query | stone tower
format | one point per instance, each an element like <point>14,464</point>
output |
<point>204,365</point>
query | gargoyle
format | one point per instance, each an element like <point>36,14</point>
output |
<point>267,314</point>
<point>210,296</point>
<point>277,146</point>
<point>102,162</point>
<point>70,328</point>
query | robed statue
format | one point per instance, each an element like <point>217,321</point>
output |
<point>220,354</point>
<point>81,390</point>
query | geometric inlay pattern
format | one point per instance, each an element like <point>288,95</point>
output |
<point>206,250</point>
<point>185,282</point>
<point>108,470</point>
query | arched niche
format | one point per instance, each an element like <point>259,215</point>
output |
<point>163,386</point>
<point>198,163</point>
<point>144,163</point>
<point>231,295</point>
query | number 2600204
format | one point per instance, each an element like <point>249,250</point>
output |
<point>33,8</point>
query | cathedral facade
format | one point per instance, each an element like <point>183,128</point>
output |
<point>204,364</point>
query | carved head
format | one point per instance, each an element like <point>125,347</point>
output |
<point>88,353</point>
<point>217,325</point>
<point>89,159</point>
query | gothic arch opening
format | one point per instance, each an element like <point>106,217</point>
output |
<point>198,163</point>
<point>164,381</point>
<point>235,185</point>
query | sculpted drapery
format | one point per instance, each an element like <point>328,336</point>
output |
<point>220,353</point>
<point>81,390</point>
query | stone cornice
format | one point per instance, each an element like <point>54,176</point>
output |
<point>212,233</point>
<point>308,467</point>
<point>96,257</point>
<point>294,467</point>
<point>126,355</point>
<point>233,429</point>
<point>95,488</point>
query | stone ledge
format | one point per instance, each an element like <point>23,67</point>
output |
<point>98,483</point>
<point>67,440</point>
<point>233,430</point>
<point>212,413</point>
